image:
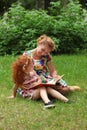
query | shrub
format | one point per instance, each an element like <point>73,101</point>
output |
<point>19,28</point>
<point>71,28</point>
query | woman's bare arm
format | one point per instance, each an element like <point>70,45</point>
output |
<point>52,70</point>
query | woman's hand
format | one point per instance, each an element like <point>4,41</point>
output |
<point>56,76</point>
<point>52,70</point>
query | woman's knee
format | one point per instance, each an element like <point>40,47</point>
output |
<point>61,89</point>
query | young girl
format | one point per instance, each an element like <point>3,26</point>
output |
<point>43,65</point>
<point>25,77</point>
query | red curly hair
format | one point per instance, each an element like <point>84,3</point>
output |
<point>18,68</point>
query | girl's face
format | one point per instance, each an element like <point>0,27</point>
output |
<point>43,50</point>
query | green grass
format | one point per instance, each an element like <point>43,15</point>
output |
<point>23,114</point>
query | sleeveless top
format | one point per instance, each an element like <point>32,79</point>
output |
<point>40,66</point>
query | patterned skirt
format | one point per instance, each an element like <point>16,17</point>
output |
<point>45,77</point>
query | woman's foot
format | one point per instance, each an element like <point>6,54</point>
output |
<point>49,105</point>
<point>73,88</point>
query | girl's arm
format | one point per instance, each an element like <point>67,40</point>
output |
<point>14,91</point>
<point>52,70</point>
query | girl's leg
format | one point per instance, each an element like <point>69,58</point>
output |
<point>36,94</point>
<point>43,94</point>
<point>40,92</point>
<point>56,94</point>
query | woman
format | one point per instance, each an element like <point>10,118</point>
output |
<point>45,69</point>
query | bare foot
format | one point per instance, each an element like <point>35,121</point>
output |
<point>73,88</point>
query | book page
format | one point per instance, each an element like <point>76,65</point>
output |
<point>50,83</point>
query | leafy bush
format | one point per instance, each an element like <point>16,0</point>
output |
<point>19,28</point>
<point>71,27</point>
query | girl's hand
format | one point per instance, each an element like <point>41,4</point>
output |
<point>39,81</point>
<point>11,97</point>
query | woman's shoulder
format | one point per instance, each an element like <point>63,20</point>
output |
<point>29,52</point>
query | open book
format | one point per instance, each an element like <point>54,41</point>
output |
<point>50,83</point>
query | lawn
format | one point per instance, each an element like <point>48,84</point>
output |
<point>24,114</point>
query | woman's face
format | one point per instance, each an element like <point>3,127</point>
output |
<point>43,50</point>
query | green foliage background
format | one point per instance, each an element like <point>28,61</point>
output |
<point>19,28</point>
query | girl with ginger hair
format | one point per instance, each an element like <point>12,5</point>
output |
<point>25,77</point>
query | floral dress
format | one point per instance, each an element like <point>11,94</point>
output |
<point>40,66</point>
<point>28,84</point>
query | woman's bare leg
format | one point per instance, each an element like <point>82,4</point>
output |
<point>56,94</point>
<point>67,89</point>
<point>73,88</point>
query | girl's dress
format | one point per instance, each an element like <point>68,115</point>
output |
<point>29,82</point>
